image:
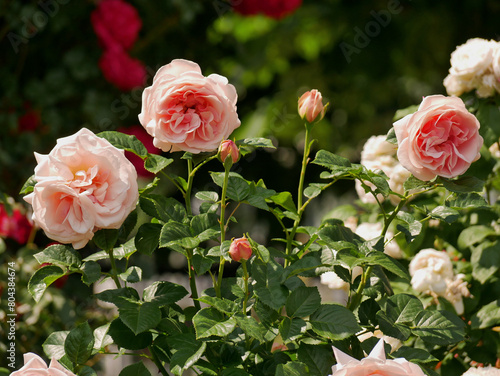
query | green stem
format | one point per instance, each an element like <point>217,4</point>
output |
<point>177,185</point>
<point>157,361</point>
<point>222,221</point>
<point>245,280</point>
<point>187,197</point>
<point>114,270</point>
<point>192,279</point>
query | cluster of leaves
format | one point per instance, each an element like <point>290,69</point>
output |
<point>266,320</point>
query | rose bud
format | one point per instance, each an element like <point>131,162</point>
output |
<point>228,148</point>
<point>311,105</point>
<point>240,249</point>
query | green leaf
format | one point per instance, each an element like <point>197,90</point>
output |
<point>329,160</point>
<point>164,208</point>
<point>43,278</point>
<point>207,196</point>
<point>445,214</point>
<point>139,316</point>
<point>401,113</point>
<point>410,228</point>
<point>466,201</point>
<point>210,322</point>
<point>399,312</point>
<point>91,272</point>
<point>123,251</point>
<point>391,137</point>
<point>136,369</point>
<point>257,142</point>
<point>124,337</point>
<point>464,184</point>
<point>413,183</point>
<point>292,328</point>
<point>291,369</point>
<point>87,371</point>
<point>238,189</point>
<point>487,316</point>
<point>473,235</point>
<point>489,118</point>
<point>174,233</point>
<point>285,200</point>
<point>251,327</point>
<point>53,346</point>
<point>59,254</point>
<point>204,222</point>
<point>485,260</point>
<point>116,295</point>
<point>106,238</point>
<point>28,186</point>
<point>101,337</point>
<point>186,351</point>
<point>79,343</point>
<point>414,355</point>
<point>223,305</point>
<point>439,327</point>
<point>314,190</point>
<point>318,359</point>
<point>334,322</point>
<point>155,163</point>
<point>268,287</point>
<point>303,301</point>
<point>147,239</point>
<point>132,275</point>
<point>164,293</point>
<point>385,261</point>
<point>126,142</point>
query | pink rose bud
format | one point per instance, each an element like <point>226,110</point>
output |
<point>311,105</point>
<point>240,249</point>
<point>228,148</point>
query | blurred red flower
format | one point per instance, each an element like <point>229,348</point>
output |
<point>271,8</point>
<point>30,120</point>
<point>116,22</point>
<point>122,70</point>
<point>16,227</point>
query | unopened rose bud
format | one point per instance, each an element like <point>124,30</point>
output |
<point>228,148</point>
<point>311,105</point>
<point>240,249</point>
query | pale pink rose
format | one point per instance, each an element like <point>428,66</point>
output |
<point>311,106</point>
<point>240,249</point>
<point>34,365</point>
<point>84,184</point>
<point>374,364</point>
<point>440,139</point>
<point>472,58</point>
<point>186,111</point>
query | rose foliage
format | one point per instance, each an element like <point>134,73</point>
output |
<point>268,317</point>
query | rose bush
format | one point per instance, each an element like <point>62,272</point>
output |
<point>82,185</point>
<point>185,111</point>
<point>440,139</point>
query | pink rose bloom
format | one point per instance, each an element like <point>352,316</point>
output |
<point>271,8</point>
<point>186,111</point>
<point>116,22</point>
<point>123,71</point>
<point>34,365</point>
<point>375,364</point>
<point>228,148</point>
<point>240,249</point>
<point>311,106</point>
<point>84,184</point>
<point>440,139</point>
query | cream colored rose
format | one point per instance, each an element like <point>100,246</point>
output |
<point>186,111</point>
<point>487,86</point>
<point>34,365</point>
<point>455,86</point>
<point>84,184</point>
<point>472,58</point>
<point>456,289</point>
<point>375,148</point>
<point>495,63</point>
<point>430,270</point>
<point>374,364</point>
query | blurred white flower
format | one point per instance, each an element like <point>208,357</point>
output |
<point>369,231</point>
<point>455,290</point>
<point>487,86</point>
<point>482,371</point>
<point>377,148</point>
<point>339,287</point>
<point>430,269</point>
<point>456,86</point>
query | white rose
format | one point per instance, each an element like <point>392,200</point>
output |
<point>482,371</point>
<point>495,63</point>
<point>472,58</point>
<point>339,287</point>
<point>487,86</point>
<point>397,178</point>
<point>375,148</point>
<point>430,270</point>
<point>456,86</point>
<point>456,288</point>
